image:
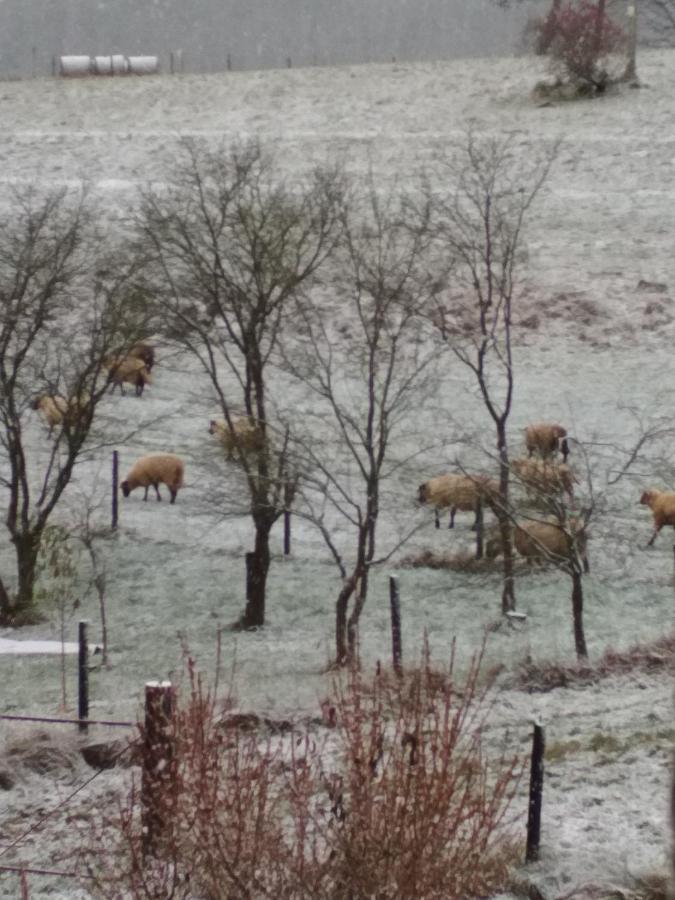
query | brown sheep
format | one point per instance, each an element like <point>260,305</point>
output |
<point>145,352</point>
<point>128,369</point>
<point>544,540</point>
<point>155,469</point>
<point>545,478</point>
<point>247,436</point>
<point>544,439</point>
<point>662,505</point>
<point>52,408</point>
<point>457,492</point>
<point>55,409</point>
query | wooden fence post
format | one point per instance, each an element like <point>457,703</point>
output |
<point>158,763</point>
<point>536,791</point>
<point>82,676</point>
<point>287,532</point>
<point>115,488</point>
<point>396,643</point>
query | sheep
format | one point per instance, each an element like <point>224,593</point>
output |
<point>129,369</point>
<point>459,492</point>
<point>662,505</point>
<point>544,539</point>
<point>546,439</point>
<point>244,435</point>
<point>545,478</point>
<point>155,469</point>
<point>52,407</point>
<point>145,352</point>
<point>55,409</point>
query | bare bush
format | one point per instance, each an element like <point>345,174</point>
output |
<point>399,801</point>
<point>582,43</point>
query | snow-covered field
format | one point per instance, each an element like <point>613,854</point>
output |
<point>599,359</point>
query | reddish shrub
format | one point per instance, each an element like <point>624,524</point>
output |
<point>580,40</point>
<point>396,800</point>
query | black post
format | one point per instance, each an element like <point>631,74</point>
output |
<point>536,791</point>
<point>157,763</point>
<point>396,643</point>
<point>82,676</point>
<point>287,532</point>
<point>479,529</point>
<point>115,487</point>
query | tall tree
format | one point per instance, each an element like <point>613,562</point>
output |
<point>234,244</point>
<point>64,308</point>
<point>478,219</point>
<point>369,370</point>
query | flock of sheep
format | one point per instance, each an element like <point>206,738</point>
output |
<point>539,473</point>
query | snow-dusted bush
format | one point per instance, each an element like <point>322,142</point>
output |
<point>584,46</point>
<point>393,797</point>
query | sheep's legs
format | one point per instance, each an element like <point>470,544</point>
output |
<point>173,495</point>
<point>145,497</point>
<point>156,487</point>
<point>438,521</point>
<point>653,537</point>
<point>453,510</point>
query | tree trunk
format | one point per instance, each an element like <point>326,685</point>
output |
<point>578,616</point>
<point>631,66</point>
<point>22,610</point>
<point>257,567</point>
<point>341,607</point>
<point>508,590</point>
<point>353,623</point>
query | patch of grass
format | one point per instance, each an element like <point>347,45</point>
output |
<point>463,561</point>
<point>610,745</point>
<point>653,656</point>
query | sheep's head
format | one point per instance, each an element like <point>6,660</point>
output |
<point>559,431</point>
<point>648,497</point>
<point>212,426</point>
<point>422,493</point>
<point>36,403</point>
<point>126,490</point>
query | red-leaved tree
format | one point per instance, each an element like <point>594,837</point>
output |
<point>584,45</point>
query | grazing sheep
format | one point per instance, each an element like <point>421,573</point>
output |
<point>145,352</point>
<point>545,478</point>
<point>128,369</point>
<point>244,435</point>
<point>544,540</point>
<point>155,469</point>
<point>55,409</point>
<point>545,438</point>
<point>458,492</point>
<point>52,408</point>
<point>662,505</point>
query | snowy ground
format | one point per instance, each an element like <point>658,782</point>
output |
<point>601,350</point>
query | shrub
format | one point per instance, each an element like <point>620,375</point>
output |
<point>581,42</point>
<point>396,800</point>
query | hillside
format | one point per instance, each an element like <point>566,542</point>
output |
<point>597,293</point>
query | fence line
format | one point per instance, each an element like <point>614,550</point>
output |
<point>50,720</point>
<point>63,803</point>
<point>29,871</point>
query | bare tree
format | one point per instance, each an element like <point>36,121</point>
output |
<point>234,244</point>
<point>63,309</point>
<point>478,219</point>
<point>365,360</point>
